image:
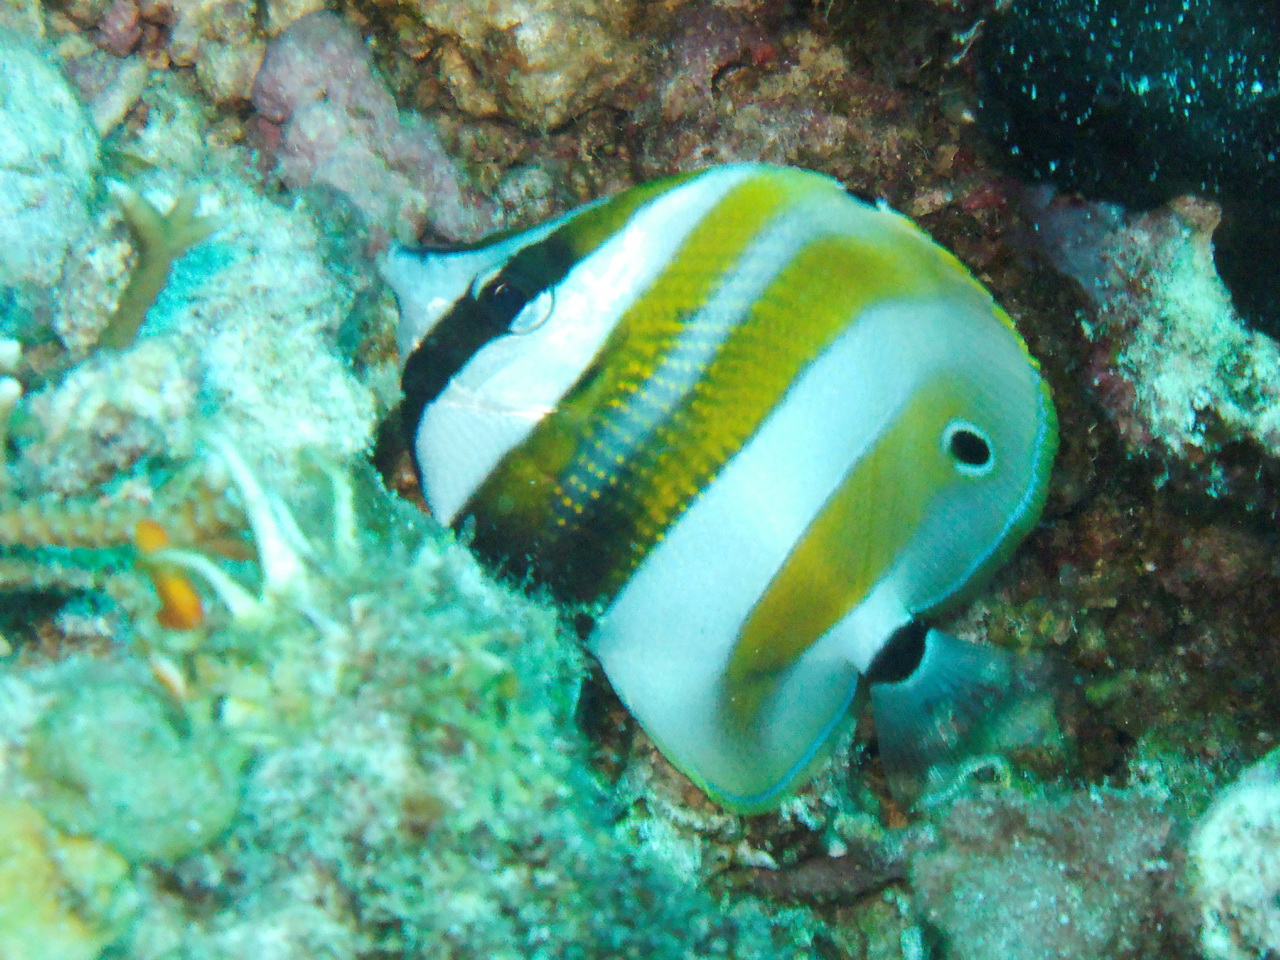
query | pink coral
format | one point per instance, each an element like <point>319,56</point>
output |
<point>330,120</point>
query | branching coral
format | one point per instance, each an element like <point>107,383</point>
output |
<point>159,238</point>
<point>190,508</point>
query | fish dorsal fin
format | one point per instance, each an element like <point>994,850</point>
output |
<point>944,706</point>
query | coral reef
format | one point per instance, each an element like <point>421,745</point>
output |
<point>368,748</point>
<point>417,778</point>
<point>730,88</point>
<point>415,756</point>
<point>1177,367</point>
<point>220,38</point>
<point>1182,303</point>
<point>222,42</point>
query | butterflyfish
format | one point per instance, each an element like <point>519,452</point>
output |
<point>763,431</point>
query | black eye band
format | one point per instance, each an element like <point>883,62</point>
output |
<point>476,319</point>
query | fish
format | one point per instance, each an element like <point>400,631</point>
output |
<point>763,434</point>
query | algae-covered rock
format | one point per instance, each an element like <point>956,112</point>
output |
<point>240,332</point>
<point>541,63</point>
<point>64,897</point>
<point>1234,867</point>
<point>115,761</point>
<point>1075,876</point>
<point>48,160</point>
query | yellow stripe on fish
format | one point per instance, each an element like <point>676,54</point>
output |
<point>763,429</point>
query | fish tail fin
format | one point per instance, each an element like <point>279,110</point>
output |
<point>946,707</point>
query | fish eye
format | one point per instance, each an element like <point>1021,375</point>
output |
<point>535,313</point>
<point>509,305</point>
<point>503,298</point>
<point>968,447</point>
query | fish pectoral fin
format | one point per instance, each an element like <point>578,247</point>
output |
<point>962,706</point>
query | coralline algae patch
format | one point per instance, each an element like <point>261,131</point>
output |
<point>329,121</point>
